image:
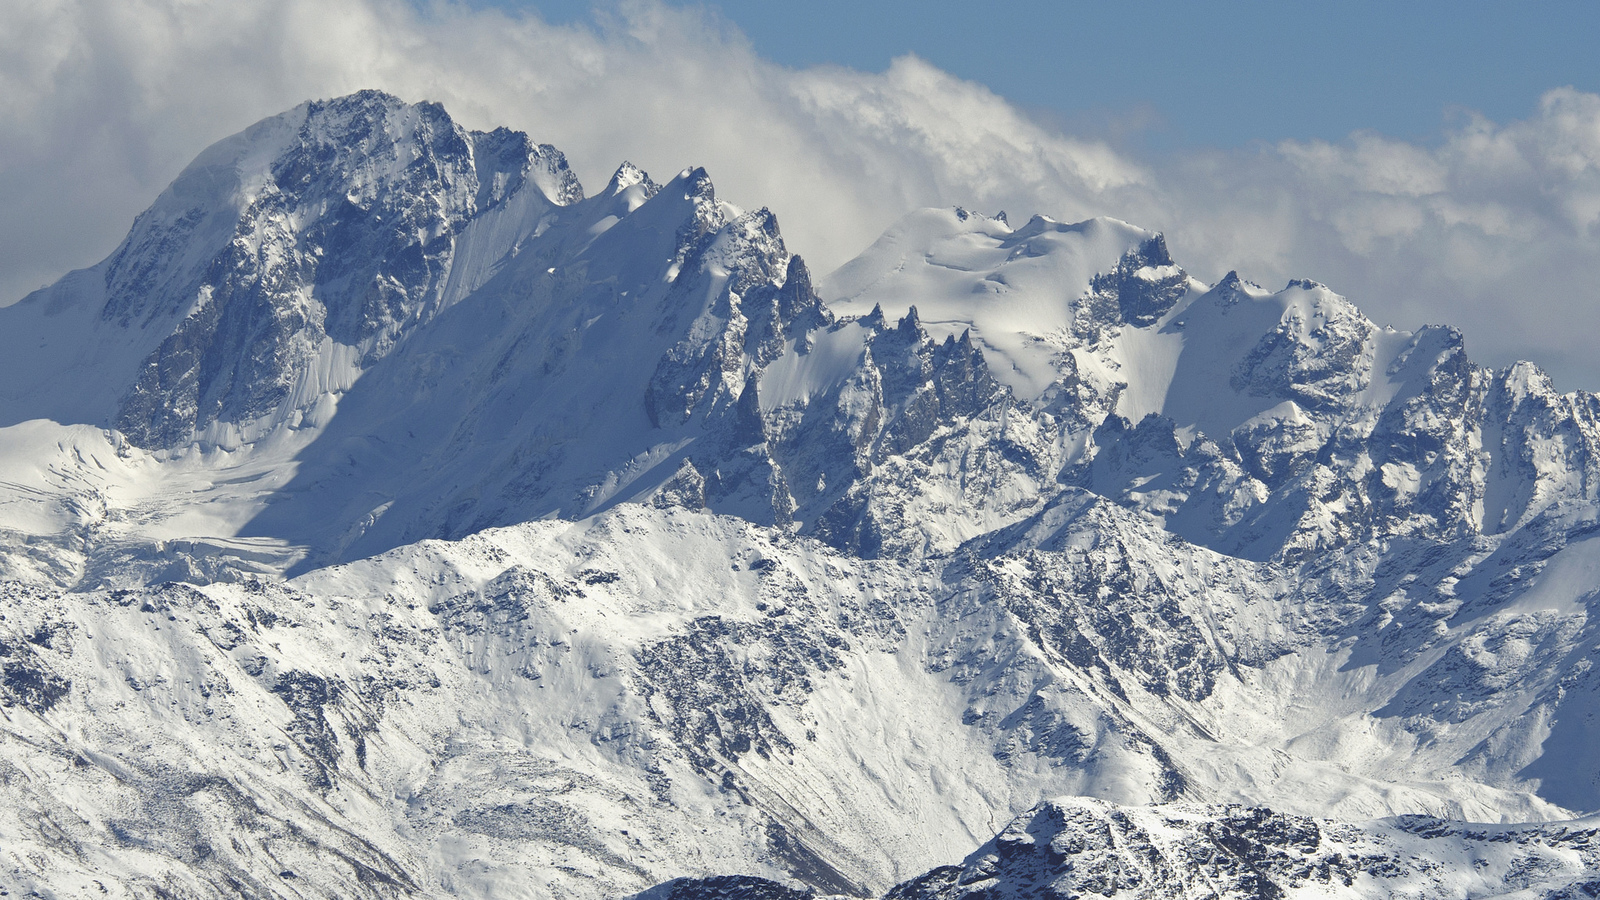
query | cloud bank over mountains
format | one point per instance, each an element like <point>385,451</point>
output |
<point>1492,227</point>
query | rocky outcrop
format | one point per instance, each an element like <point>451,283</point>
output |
<point>344,238</point>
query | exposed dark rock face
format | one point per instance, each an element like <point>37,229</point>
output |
<point>349,237</point>
<point>724,887</point>
<point>1141,288</point>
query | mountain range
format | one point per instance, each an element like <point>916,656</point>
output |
<point>388,516</point>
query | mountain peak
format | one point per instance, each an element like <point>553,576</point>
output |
<point>628,175</point>
<point>288,258</point>
<point>1022,292</point>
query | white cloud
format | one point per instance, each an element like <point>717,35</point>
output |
<point>1493,228</point>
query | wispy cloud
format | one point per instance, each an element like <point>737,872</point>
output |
<point>1491,228</point>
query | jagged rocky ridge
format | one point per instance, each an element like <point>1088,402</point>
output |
<point>843,586</point>
<point>1081,848</point>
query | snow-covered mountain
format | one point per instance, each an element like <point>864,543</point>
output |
<point>388,516</point>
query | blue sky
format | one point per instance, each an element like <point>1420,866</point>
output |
<point>1175,74</point>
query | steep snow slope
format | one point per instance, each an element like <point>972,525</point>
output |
<point>555,355</point>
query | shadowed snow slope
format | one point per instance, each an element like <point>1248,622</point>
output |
<point>387,516</point>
